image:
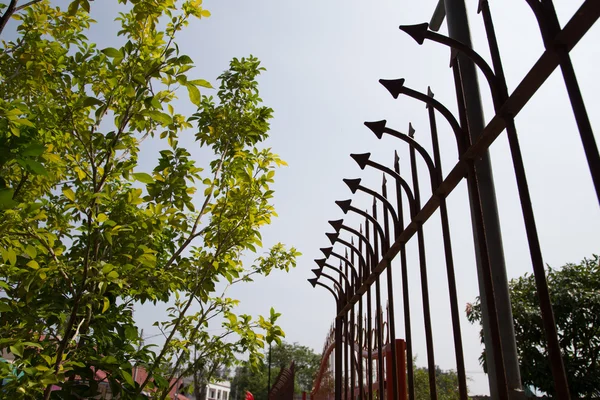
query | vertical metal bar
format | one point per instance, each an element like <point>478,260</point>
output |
<point>405,292</point>
<point>345,374</point>
<point>550,27</point>
<point>458,346</point>
<point>390,289</point>
<point>556,362</point>
<point>424,284</point>
<point>359,356</point>
<point>368,323</point>
<point>458,28</point>
<point>351,345</point>
<point>378,304</point>
<point>495,363</point>
<point>338,353</point>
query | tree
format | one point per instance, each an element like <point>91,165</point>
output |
<point>575,294</point>
<point>85,233</point>
<point>255,380</point>
<point>446,383</point>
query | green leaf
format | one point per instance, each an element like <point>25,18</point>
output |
<point>127,376</point>
<point>194,94</point>
<point>73,7</point>
<point>69,194</point>
<point>160,381</point>
<point>101,217</point>
<point>17,349</point>
<point>31,251</point>
<point>36,167</point>
<point>106,305</point>
<point>185,60</point>
<point>92,101</point>
<point>205,13</point>
<point>112,52</point>
<point>201,82</point>
<point>4,307</point>
<point>9,256</point>
<point>160,117</point>
<point>6,198</point>
<point>143,177</point>
<point>34,150</point>
<point>112,275</point>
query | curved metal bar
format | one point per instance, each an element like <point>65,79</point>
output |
<point>339,224</point>
<point>334,237</point>
<point>420,32</point>
<point>322,264</point>
<point>315,281</point>
<point>396,87</point>
<point>379,128</point>
<point>319,273</point>
<point>363,160</point>
<point>354,185</point>
<point>344,259</point>
<point>346,206</point>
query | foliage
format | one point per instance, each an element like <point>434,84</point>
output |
<point>256,380</point>
<point>446,383</point>
<point>86,233</point>
<point>575,294</point>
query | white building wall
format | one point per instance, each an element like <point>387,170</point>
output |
<point>218,391</point>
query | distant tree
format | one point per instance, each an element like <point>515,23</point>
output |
<point>255,381</point>
<point>575,293</point>
<point>446,384</point>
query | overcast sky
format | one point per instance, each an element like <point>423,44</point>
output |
<point>323,60</point>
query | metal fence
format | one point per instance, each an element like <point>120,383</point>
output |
<point>358,269</point>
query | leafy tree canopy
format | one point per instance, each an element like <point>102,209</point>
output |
<point>255,380</point>
<point>575,293</point>
<point>86,231</point>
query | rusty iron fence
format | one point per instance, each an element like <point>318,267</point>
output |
<point>365,260</point>
<point>283,388</point>
<point>357,359</point>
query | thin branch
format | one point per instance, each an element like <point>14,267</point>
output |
<point>32,2</point>
<point>10,10</point>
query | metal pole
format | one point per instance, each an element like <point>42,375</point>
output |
<point>269,381</point>
<point>458,28</point>
<point>338,356</point>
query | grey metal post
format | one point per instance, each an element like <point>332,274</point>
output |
<point>458,28</point>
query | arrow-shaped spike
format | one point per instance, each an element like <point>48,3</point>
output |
<point>394,86</point>
<point>333,237</point>
<point>320,262</point>
<point>337,224</point>
<point>313,281</point>
<point>430,94</point>
<point>411,130</point>
<point>417,32</point>
<point>377,127</point>
<point>361,159</point>
<point>353,184</point>
<point>326,251</point>
<point>396,158</point>
<point>344,205</point>
<point>317,272</point>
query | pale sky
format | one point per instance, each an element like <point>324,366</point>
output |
<point>323,61</point>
